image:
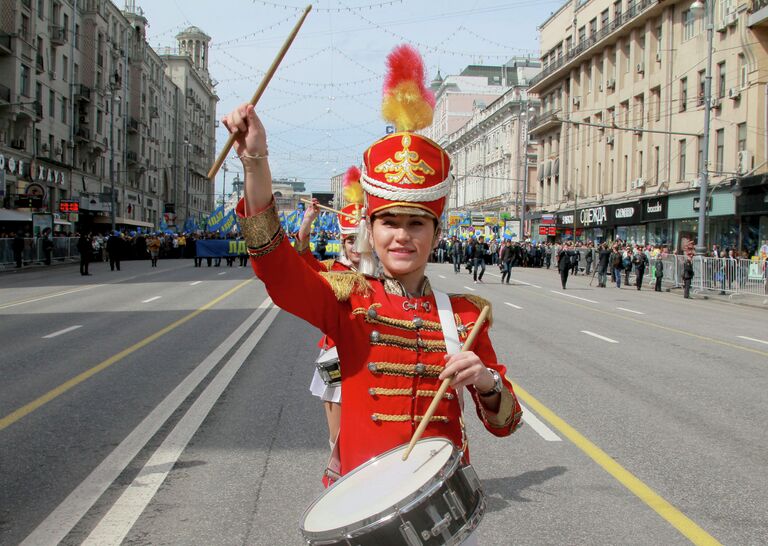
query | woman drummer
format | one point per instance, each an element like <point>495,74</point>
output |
<point>347,260</point>
<point>387,328</point>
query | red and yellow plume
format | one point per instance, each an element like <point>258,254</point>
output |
<point>407,104</point>
<point>352,190</point>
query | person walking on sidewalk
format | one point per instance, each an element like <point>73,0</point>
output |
<point>18,249</point>
<point>85,248</point>
<point>639,260</point>
<point>658,267</point>
<point>153,245</point>
<point>588,258</point>
<point>687,276</point>
<point>114,249</point>
<point>616,265</point>
<point>603,263</point>
<point>456,254</point>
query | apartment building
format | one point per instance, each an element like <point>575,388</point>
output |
<point>620,133</point>
<point>458,96</point>
<point>489,157</point>
<point>87,106</point>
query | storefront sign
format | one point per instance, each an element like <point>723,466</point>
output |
<point>655,209</point>
<point>565,219</point>
<point>624,214</point>
<point>754,200</point>
<point>594,216</point>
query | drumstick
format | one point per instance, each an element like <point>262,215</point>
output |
<point>308,202</point>
<point>446,383</point>
<point>260,90</point>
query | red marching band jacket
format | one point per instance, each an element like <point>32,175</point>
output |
<point>322,266</point>
<point>390,346</point>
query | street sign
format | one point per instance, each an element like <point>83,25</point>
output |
<point>68,205</point>
<point>24,201</point>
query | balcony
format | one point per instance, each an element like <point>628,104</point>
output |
<point>634,10</point>
<point>82,93</point>
<point>758,14</point>
<point>38,107</point>
<point>39,66</point>
<point>82,134</point>
<point>5,94</point>
<point>5,44</point>
<point>545,121</point>
<point>133,125</point>
<point>58,35</point>
<point>132,157</point>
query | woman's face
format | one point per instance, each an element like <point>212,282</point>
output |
<point>403,242</point>
<point>349,250</point>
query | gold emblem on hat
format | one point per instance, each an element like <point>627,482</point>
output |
<point>403,169</point>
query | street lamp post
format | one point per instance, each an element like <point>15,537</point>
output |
<point>112,203</point>
<point>527,110</point>
<point>186,178</point>
<point>697,8</point>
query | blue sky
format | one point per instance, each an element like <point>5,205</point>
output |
<point>321,109</point>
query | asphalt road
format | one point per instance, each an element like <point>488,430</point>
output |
<point>171,406</point>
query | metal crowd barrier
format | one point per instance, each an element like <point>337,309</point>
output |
<point>64,250</point>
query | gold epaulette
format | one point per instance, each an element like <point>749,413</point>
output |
<point>328,264</point>
<point>345,283</point>
<point>478,302</point>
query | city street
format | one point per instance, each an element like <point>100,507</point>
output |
<point>171,406</point>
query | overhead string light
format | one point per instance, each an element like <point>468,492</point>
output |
<point>372,5</point>
<point>255,33</point>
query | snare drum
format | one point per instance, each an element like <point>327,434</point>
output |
<point>431,499</point>
<point>328,367</point>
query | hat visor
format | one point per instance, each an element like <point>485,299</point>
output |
<point>404,210</point>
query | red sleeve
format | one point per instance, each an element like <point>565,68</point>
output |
<point>311,261</point>
<point>507,419</point>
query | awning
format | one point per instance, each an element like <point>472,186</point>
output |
<point>12,215</point>
<point>122,221</point>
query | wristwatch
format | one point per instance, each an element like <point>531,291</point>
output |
<point>497,384</point>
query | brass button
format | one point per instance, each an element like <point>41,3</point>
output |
<point>418,322</point>
<point>374,417</point>
<point>449,396</point>
<point>420,368</point>
<point>462,329</point>
<point>375,336</point>
<point>372,391</point>
<point>372,312</point>
<point>372,367</point>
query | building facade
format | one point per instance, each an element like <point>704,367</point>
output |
<point>620,133</point>
<point>89,113</point>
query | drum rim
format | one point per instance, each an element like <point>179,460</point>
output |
<point>379,519</point>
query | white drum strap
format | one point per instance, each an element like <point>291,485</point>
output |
<point>452,345</point>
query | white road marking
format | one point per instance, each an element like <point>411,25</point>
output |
<point>441,276</point>
<point>572,296</point>
<point>195,283</point>
<point>152,299</point>
<point>63,519</point>
<point>494,275</point>
<point>117,523</point>
<point>512,305</point>
<point>64,331</point>
<point>57,294</point>
<point>526,283</point>
<point>753,339</point>
<point>223,273</point>
<point>630,311</point>
<point>598,336</point>
<point>470,289</point>
<point>536,424</point>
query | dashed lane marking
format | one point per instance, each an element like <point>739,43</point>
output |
<point>753,339</point>
<point>151,299</point>
<point>195,283</point>
<point>26,409</point>
<point>686,526</point>
<point>598,336</point>
<point>48,296</point>
<point>518,281</point>
<point>470,289</point>
<point>512,305</point>
<point>64,331</point>
<point>441,276</point>
<point>630,311</point>
<point>223,273</point>
<point>572,296</point>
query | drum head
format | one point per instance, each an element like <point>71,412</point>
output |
<point>377,486</point>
